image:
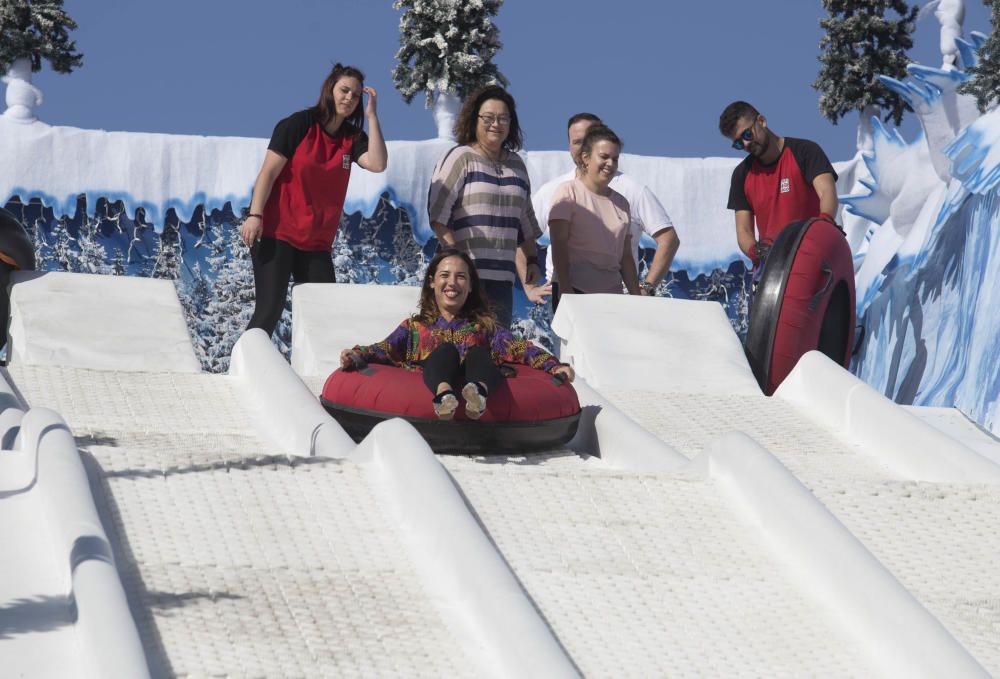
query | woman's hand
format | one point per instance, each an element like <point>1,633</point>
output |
<point>538,294</point>
<point>251,230</point>
<point>372,104</point>
<point>347,358</point>
<point>566,370</point>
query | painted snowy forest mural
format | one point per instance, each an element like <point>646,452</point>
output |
<point>211,267</point>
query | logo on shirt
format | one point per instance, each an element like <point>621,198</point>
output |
<point>345,163</point>
<point>785,186</point>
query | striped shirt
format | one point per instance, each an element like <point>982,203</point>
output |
<point>486,205</point>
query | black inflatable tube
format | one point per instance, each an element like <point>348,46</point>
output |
<point>763,322</point>
<point>15,242</point>
<point>820,312</point>
<point>456,437</point>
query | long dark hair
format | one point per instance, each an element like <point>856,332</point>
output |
<point>468,117</point>
<point>325,109</point>
<point>475,309</point>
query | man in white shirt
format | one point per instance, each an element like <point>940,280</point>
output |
<point>646,212</point>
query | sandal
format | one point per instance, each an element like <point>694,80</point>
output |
<point>445,405</point>
<point>475,400</point>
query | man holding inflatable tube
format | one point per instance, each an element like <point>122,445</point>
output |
<point>781,180</point>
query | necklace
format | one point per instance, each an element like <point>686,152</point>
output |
<point>496,162</point>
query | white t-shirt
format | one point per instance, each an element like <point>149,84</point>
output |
<point>646,211</point>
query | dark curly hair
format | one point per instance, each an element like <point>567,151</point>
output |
<point>476,307</point>
<point>465,124</point>
<point>732,115</point>
<point>325,109</point>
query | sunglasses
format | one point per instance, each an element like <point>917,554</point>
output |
<point>745,137</point>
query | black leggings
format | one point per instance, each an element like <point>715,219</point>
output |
<point>444,365</point>
<point>274,262</point>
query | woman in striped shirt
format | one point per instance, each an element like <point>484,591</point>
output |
<point>480,199</point>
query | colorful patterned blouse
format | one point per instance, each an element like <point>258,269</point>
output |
<point>412,342</point>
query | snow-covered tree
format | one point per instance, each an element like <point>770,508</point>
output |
<point>862,43</point>
<point>93,257</point>
<point>167,256</point>
<point>985,82</point>
<point>30,31</point>
<point>36,30</point>
<point>195,294</point>
<point>229,309</point>
<point>446,49</point>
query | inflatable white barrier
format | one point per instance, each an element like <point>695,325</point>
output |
<point>11,414</point>
<point>652,344</point>
<point>461,569</point>
<point>331,317</point>
<point>833,567</point>
<point>121,323</point>
<point>469,581</point>
<point>287,413</point>
<point>834,398</point>
<point>619,441</point>
<point>108,639</point>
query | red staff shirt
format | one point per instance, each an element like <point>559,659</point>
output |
<point>307,199</point>
<point>782,192</point>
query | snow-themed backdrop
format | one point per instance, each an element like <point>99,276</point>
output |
<point>921,218</point>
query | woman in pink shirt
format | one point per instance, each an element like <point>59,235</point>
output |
<point>589,224</point>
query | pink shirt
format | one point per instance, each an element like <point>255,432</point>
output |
<point>598,226</point>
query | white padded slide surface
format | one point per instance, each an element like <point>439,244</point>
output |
<point>331,317</point>
<point>99,322</point>
<point>237,560</point>
<point>652,343</point>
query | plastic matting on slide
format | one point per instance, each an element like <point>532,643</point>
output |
<point>643,575</point>
<point>939,540</point>
<point>272,571</point>
<point>238,562</point>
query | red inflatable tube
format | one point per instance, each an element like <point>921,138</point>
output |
<point>527,412</point>
<point>805,301</point>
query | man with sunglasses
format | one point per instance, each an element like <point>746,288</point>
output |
<point>781,180</point>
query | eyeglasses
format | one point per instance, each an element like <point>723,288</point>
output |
<point>745,136</point>
<point>491,120</point>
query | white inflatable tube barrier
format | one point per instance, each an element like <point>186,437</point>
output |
<point>109,640</point>
<point>468,580</point>
<point>903,639</point>
<point>287,413</point>
<point>911,448</point>
<point>11,414</point>
<point>618,440</point>
<point>463,573</point>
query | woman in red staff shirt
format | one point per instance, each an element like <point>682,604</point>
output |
<point>298,197</point>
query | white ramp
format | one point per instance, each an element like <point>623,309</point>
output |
<point>330,317</point>
<point>62,606</point>
<point>652,344</point>
<point>98,322</point>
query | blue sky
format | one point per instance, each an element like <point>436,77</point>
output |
<point>657,72</point>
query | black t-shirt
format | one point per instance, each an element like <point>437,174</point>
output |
<point>290,132</point>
